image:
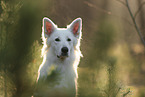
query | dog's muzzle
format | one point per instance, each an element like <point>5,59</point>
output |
<point>64,53</point>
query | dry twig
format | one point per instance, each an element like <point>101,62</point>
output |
<point>125,94</point>
<point>133,18</point>
<point>140,7</point>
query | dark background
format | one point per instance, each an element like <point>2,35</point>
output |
<point>114,57</point>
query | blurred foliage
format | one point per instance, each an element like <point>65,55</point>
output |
<point>113,64</point>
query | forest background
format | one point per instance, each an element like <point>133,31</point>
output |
<point>112,45</point>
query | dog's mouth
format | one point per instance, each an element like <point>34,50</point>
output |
<point>62,56</point>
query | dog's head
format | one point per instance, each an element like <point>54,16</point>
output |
<point>62,40</point>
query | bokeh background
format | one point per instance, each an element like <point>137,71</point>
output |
<point>114,56</point>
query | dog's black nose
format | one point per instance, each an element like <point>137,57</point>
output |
<point>64,49</point>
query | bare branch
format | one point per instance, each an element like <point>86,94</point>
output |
<point>133,18</point>
<point>118,91</point>
<point>125,94</point>
<point>135,24</point>
<point>140,7</point>
<point>122,2</point>
<point>100,9</point>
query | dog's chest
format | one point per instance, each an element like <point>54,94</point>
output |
<point>61,76</point>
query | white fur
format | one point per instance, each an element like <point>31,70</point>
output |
<point>66,81</point>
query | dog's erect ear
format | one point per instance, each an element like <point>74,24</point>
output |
<point>48,26</point>
<point>76,27</point>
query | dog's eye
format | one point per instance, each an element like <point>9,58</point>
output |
<point>57,39</point>
<point>68,39</point>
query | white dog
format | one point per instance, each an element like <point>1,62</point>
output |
<point>57,75</point>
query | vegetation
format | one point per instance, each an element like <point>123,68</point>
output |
<point>113,45</point>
